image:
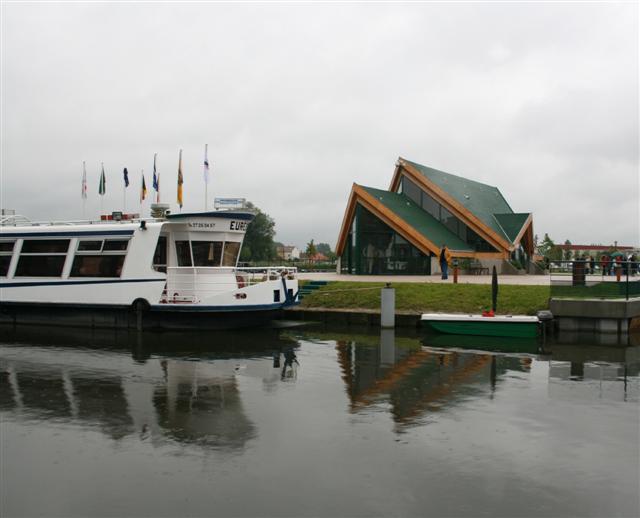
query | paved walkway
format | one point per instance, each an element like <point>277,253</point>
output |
<point>529,280</point>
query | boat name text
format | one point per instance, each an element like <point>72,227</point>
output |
<point>238,225</point>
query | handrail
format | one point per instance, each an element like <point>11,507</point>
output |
<point>16,218</point>
<point>602,279</point>
<point>24,221</point>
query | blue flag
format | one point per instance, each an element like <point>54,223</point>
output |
<point>125,173</point>
<point>155,176</point>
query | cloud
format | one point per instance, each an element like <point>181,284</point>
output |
<point>298,101</point>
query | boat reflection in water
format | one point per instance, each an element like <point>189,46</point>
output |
<point>182,387</point>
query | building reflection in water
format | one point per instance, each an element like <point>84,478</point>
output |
<point>167,396</point>
<point>414,380</point>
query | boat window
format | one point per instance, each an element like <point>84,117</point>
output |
<point>115,245</point>
<point>94,246</point>
<point>206,253</point>
<point>42,257</point>
<point>160,255</point>
<point>97,266</point>
<point>40,265</point>
<point>183,251</point>
<point>45,246</point>
<point>6,246</point>
<point>230,256</point>
<point>6,251</point>
<point>5,261</point>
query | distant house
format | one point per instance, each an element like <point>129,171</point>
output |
<point>288,253</point>
<point>400,230</point>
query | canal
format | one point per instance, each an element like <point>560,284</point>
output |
<point>314,422</point>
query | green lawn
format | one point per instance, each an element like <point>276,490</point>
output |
<point>421,298</point>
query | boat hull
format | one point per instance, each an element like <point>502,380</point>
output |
<point>124,317</point>
<point>518,327</point>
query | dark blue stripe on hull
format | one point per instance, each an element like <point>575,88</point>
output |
<point>77,233</point>
<point>67,283</point>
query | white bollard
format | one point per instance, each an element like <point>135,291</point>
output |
<point>387,347</point>
<point>388,306</point>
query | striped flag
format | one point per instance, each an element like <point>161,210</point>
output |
<point>206,165</point>
<point>102,187</point>
<point>84,180</point>
<point>125,174</point>
<point>143,189</point>
<point>180,180</point>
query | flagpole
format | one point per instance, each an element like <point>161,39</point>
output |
<point>206,180</point>
<point>124,197</point>
<point>101,194</point>
<point>84,190</point>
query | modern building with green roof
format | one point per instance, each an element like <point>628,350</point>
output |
<point>401,230</point>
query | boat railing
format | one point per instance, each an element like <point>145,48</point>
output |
<point>192,283</point>
<point>14,220</point>
<point>23,221</point>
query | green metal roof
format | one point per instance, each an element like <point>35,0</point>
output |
<point>512,223</point>
<point>480,199</point>
<point>407,210</point>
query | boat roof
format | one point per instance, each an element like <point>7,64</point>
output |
<point>15,226</point>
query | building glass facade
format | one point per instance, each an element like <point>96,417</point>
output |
<point>424,200</point>
<point>373,248</point>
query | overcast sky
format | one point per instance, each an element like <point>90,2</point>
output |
<point>298,101</point>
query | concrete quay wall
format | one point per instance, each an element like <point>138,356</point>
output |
<point>361,317</point>
<point>596,315</point>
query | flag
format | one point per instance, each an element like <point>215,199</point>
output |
<point>125,173</point>
<point>102,187</point>
<point>206,165</point>
<point>180,180</point>
<point>84,181</point>
<point>156,179</point>
<point>143,189</point>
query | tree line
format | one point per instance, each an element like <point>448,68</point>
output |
<point>259,244</point>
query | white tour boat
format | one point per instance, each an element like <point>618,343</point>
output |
<point>177,270</point>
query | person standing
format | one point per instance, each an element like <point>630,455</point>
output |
<point>445,259</point>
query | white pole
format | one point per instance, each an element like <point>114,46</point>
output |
<point>206,180</point>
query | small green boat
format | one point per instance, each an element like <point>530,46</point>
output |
<point>519,326</point>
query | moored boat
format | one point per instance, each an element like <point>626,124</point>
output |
<point>523,326</point>
<point>176,270</point>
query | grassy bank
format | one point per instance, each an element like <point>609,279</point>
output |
<point>420,298</point>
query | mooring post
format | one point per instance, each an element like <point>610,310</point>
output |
<point>388,307</point>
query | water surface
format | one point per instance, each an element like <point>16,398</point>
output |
<point>313,423</point>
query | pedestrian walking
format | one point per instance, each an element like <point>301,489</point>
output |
<point>445,259</point>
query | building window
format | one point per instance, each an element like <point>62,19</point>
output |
<point>430,205</point>
<point>380,250</point>
<point>411,190</point>
<point>42,257</point>
<point>6,252</point>
<point>444,216</point>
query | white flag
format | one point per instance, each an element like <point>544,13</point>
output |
<point>84,181</point>
<point>206,165</point>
